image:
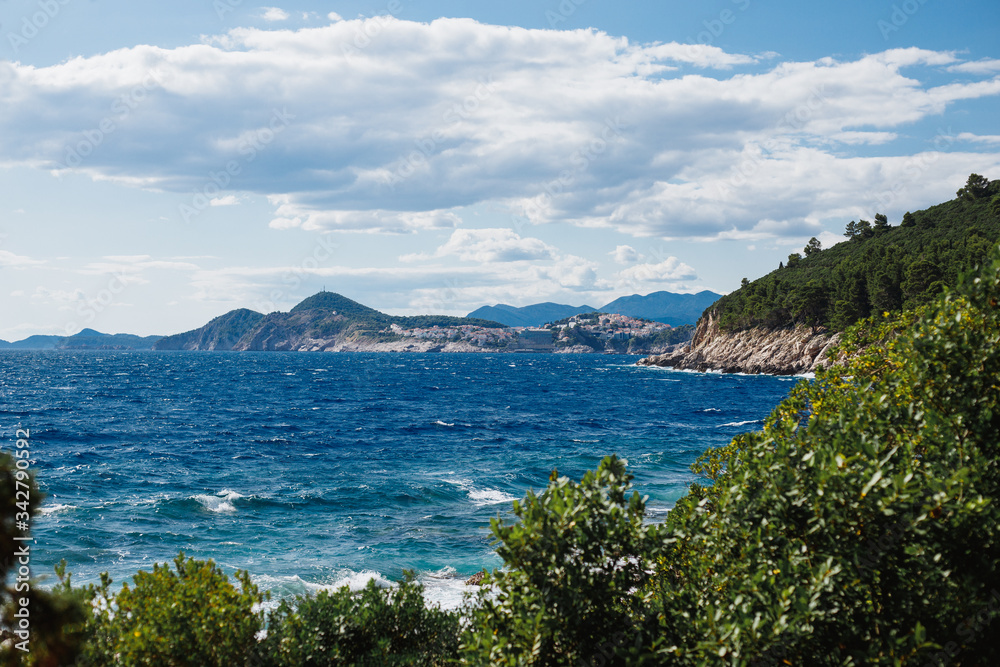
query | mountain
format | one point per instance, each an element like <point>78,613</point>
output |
<point>88,339</point>
<point>783,322</point>
<point>666,307</point>
<point>529,316</point>
<point>324,321</point>
<point>222,333</point>
<point>39,342</point>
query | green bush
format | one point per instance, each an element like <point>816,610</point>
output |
<point>576,566</point>
<point>190,615</point>
<point>861,526</point>
<point>371,627</point>
<point>56,618</point>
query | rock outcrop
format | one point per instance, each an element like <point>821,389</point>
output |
<point>789,351</point>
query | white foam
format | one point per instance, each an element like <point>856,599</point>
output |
<point>441,423</point>
<point>221,502</point>
<point>490,496</point>
<point>443,588</point>
<point>751,421</point>
<point>710,410</point>
<point>355,581</point>
<point>52,509</point>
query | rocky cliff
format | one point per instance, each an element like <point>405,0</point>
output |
<point>788,351</point>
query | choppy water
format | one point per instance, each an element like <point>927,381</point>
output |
<point>312,470</point>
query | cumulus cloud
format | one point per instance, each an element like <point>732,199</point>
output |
<point>389,126</point>
<point>625,254</point>
<point>227,200</point>
<point>272,14</point>
<point>985,66</point>
<point>487,246</point>
<point>669,270</point>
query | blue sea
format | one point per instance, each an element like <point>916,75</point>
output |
<point>315,470</point>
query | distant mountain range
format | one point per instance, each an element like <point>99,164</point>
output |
<point>667,307</point>
<point>324,321</point>
<point>88,339</point>
<point>330,321</point>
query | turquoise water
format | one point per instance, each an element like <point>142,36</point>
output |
<point>315,470</point>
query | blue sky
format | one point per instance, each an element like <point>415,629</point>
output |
<point>163,163</point>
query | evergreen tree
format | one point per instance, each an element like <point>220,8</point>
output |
<point>812,247</point>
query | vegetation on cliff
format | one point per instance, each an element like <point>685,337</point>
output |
<point>882,267</point>
<point>860,526</point>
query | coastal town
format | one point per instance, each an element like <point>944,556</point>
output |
<point>587,330</point>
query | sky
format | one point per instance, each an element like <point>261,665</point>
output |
<point>164,163</point>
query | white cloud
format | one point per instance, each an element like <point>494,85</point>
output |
<point>273,14</point>
<point>669,270</point>
<point>486,246</point>
<point>394,126</point>
<point>625,254</point>
<point>985,66</point>
<point>979,138</point>
<point>9,260</point>
<point>227,200</point>
<point>334,16</point>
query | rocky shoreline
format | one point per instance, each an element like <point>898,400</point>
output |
<point>790,351</point>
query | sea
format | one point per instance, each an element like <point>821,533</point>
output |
<point>312,471</point>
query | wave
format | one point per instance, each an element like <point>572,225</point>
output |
<point>220,502</point>
<point>482,496</point>
<point>52,509</point>
<point>444,588</point>
<point>749,421</point>
<point>490,497</point>
<point>441,423</point>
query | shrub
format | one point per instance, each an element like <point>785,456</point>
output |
<point>576,566</point>
<point>862,525</point>
<point>190,615</point>
<point>55,618</point>
<point>372,627</point>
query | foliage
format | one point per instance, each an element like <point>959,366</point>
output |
<point>372,627</point>
<point>976,187</point>
<point>881,268</point>
<point>189,615</point>
<point>813,247</point>
<point>54,633</point>
<point>356,312</point>
<point>573,566</point>
<point>862,525</point>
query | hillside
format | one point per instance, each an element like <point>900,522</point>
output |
<point>222,333</point>
<point>324,321</point>
<point>879,268</point>
<point>665,307</point>
<point>88,339</point>
<point>784,322</point>
<point>529,316</point>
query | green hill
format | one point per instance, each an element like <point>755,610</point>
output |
<point>880,268</point>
